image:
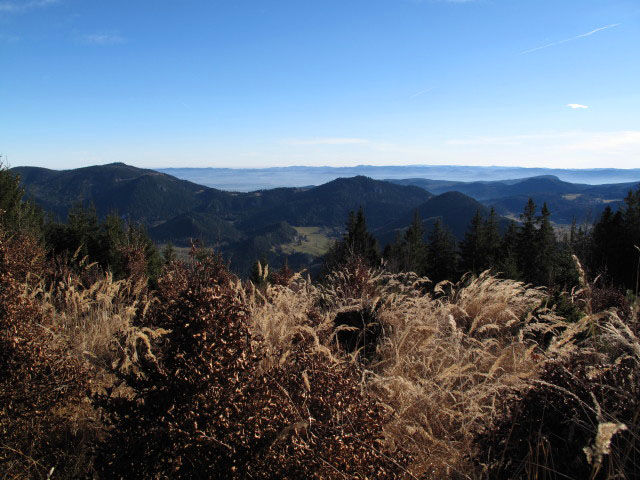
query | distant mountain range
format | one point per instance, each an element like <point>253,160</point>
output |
<point>245,180</point>
<point>297,220</point>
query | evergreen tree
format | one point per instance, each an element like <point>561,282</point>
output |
<point>615,238</point>
<point>409,251</point>
<point>16,214</point>
<point>631,240</point>
<point>111,236</point>
<point>579,242</point>
<point>356,242</point>
<point>607,251</point>
<point>545,250</point>
<point>473,248</point>
<point>492,241</point>
<point>508,261</point>
<point>527,243</point>
<point>82,231</point>
<point>169,254</point>
<point>442,254</point>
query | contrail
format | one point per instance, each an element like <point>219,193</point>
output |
<point>570,39</point>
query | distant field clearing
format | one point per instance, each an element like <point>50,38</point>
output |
<point>311,240</point>
<point>572,196</point>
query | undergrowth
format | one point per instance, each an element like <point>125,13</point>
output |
<point>368,375</point>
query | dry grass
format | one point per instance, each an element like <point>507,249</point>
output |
<point>89,317</point>
<point>449,364</point>
<point>443,365</point>
<point>452,365</point>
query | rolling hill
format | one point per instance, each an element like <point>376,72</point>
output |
<point>242,225</point>
<point>454,209</point>
<point>142,195</point>
<point>267,223</point>
<point>567,201</point>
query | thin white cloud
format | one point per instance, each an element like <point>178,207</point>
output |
<point>509,139</point>
<point>560,42</point>
<point>327,141</point>
<point>23,6</point>
<point>422,92</point>
<point>577,106</point>
<point>104,39</point>
<point>570,148</point>
<point>575,141</point>
<point>606,141</point>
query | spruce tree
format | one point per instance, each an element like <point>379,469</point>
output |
<point>492,241</point>
<point>15,213</point>
<point>508,261</point>
<point>409,252</point>
<point>356,242</point>
<point>473,248</point>
<point>169,254</point>
<point>545,248</point>
<point>442,254</point>
<point>608,246</point>
<point>631,240</point>
<point>527,243</point>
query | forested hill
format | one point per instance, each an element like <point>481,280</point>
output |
<point>454,209</point>
<point>568,201</point>
<point>142,195</point>
<point>298,225</point>
<point>302,220</point>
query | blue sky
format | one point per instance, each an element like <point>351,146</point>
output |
<point>255,83</point>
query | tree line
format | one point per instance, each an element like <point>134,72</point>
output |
<point>83,238</point>
<point>530,250</point>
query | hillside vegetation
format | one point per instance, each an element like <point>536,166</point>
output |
<point>369,374</point>
<point>569,201</point>
<point>180,212</point>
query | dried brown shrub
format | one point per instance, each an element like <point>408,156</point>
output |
<point>40,385</point>
<point>205,404</point>
<point>282,276</point>
<point>554,429</point>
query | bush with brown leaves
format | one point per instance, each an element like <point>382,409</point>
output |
<point>40,385</point>
<point>202,404</point>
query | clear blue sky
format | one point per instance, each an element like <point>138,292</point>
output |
<point>254,83</point>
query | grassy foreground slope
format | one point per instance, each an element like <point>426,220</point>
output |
<point>364,376</point>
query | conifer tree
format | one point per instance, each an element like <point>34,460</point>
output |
<point>527,243</point>
<point>409,252</point>
<point>545,249</point>
<point>169,254</point>
<point>442,254</point>
<point>608,245</point>
<point>508,261</point>
<point>631,240</point>
<point>356,242</point>
<point>492,241</point>
<point>15,213</point>
<point>473,248</point>
<point>615,238</point>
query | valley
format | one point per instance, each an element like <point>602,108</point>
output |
<point>297,225</point>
